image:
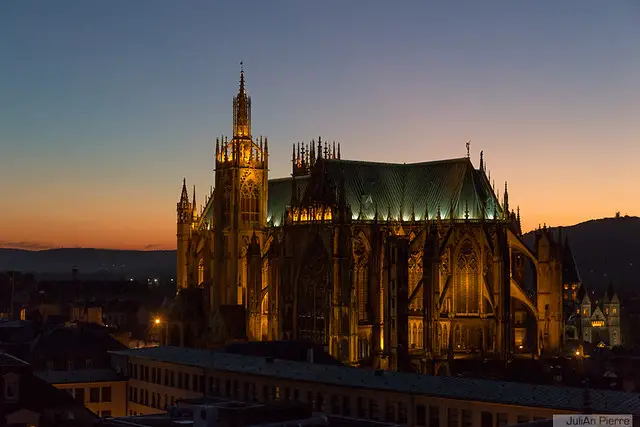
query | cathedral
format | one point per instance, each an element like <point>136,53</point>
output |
<point>385,265</point>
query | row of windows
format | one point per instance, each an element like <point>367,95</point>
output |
<point>167,377</point>
<point>96,394</point>
<point>381,409</point>
<point>153,399</point>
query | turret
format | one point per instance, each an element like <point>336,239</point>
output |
<point>185,212</point>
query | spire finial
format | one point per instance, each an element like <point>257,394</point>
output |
<point>241,77</point>
<point>481,160</point>
<point>184,197</point>
<point>468,149</point>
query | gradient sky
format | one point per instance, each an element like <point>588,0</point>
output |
<point>105,106</point>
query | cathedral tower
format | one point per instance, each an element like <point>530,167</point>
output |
<point>184,212</point>
<point>240,203</point>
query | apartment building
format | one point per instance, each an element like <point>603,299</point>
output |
<point>161,375</point>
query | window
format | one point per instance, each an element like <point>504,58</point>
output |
<point>346,406</point>
<point>434,416</point>
<point>94,394</point>
<point>106,394</point>
<point>467,281</point>
<point>467,418</point>
<point>363,290</point>
<point>421,415</point>
<point>79,393</point>
<point>503,420</point>
<point>486,419</point>
<point>362,411</point>
<point>452,417</point>
<point>250,203</point>
<point>11,387</point>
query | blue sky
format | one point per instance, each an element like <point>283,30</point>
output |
<point>107,105</point>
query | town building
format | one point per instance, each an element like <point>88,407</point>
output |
<point>161,376</point>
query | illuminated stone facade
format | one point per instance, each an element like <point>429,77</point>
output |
<point>390,265</point>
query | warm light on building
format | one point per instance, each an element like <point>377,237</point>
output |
<point>597,323</point>
<point>310,214</point>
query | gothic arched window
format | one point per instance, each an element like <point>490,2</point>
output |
<point>363,291</point>
<point>250,203</point>
<point>226,203</point>
<point>467,281</point>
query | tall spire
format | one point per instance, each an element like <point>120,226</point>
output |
<point>242,89</point>
<point>506,199</point>
<point>184,197</point>
<point>242,110</point>
<point>194,204</point>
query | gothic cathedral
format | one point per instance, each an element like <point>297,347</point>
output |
<point>386,265</point>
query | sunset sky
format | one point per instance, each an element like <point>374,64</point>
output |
<point>105,106</point>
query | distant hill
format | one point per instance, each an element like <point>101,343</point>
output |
<point>96,263</point>
<point>605,250</point>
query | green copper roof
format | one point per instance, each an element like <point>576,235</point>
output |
<point>399,190</point>
<point>280,196</point>
<point>404,190</point>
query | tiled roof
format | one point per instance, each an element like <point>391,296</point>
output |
<point>80,376</point>
<point>401,189</point>
<point>280,196</point>
<point>396,189</point>
<point>511,393</point>
<point>7,360</point>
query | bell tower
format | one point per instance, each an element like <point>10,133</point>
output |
<point>240,203</point>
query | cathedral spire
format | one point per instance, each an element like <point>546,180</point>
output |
<point>242,89</point>
<point>506,199</point>
<point>194,205</point>
<point>242,110</point>
<point>184,197</point>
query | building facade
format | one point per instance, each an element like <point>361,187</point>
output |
<point>595,322</point>
<point>389,265</point>
<point>160,376</point>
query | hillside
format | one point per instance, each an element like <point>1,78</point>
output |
<point>605,250</point>
<point>100,263</point>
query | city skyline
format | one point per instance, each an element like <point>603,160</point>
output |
<point>109,106</point>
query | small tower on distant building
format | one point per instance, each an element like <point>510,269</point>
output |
<point>611,307</point>
<point>585,317</point>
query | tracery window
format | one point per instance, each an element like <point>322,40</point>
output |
<point>467,281</point>
<point>415,275</point>
<point>250,203</point>
<point>363,291</point>
<point>226,204</point>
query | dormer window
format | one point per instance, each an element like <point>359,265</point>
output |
<point>11,387</point>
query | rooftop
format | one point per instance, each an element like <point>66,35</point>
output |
<point>8,360</point>
<point>510,393</point>
<point>80,376</point>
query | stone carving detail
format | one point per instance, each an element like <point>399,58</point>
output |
<point>488,261</point>
<point>445,263</point>
<point>415,262</point>
<point>360,255</point>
